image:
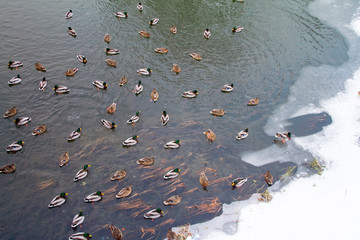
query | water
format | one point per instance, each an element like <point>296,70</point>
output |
<point>265,60</point>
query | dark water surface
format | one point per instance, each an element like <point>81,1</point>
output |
<point>279,38</point>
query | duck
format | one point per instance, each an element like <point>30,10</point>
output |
<point>144,71</point>
<point>210,135</point>
<point>58,200</point>
<point>71,32</point>
<point>116,232</point>
<point>71,72</point>
<point>172,144</point>
<point>176,69</point>
<point>108,124</point>
<point>153,21</point>
<point>107,38</point>
<point>283,136</point>
<point>253,102</point>
<point>125,192</point>
<point>217,112</point>
<point>121,14</point>
<point>173,200</point>
<point>237,29</point>
<point>207,33</point>
<point>161,50</point>
<point>140,7</point>
<point>42,84</point>
<point>64,159</point>
<point>100,84</point>
<point>190,94</point>
<point>164,118</point>
<point>138,88</point>
<point>111,109</point>
<point>134,118</point>
<point>15,64</point>
<point>15,146</point>
<point>238,182</point>
<point>74,135</point>
<point>69,14</point>
<point>146,161</point>
<point>118,175</point>
<point>174,173</point>
<point>195,56</point>
<point>111,62</point>
<point>82,173</point>
<point>112,51</point>
<point>81,58</point>
<point>59,89</point>
<point>203,180</point>
<point>80,236</point>
<point>22,121</point>
<point>144,33</point>
<point>242,134</point>
<point>171,235</point>
<point>173,29</point>
<point>8,168</point>
<point>154,214</point>
<point>131,141</point>
<point>154,95</point>
<point>122,81</point>
<point>269,178</point>
<point>94,197</point>
<point>40,67</point>
<point>15,80</point>
<point>11,112</point>
<point>227,88</point>
<point>39,130</point>
<point>78,219</point>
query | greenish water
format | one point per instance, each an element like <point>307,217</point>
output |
<point>279,38</point>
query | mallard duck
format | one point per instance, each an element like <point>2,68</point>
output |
<point>122,81</point>
<point>69,14</point>
<point>74,135</point>
<point>94,197</point>
<point>22,121</point>
<point>144,33</point>
<point>118,175</point>
<point>39,130</point>
<point>8,168</point>
<point>125,192</point>
<point>269,178</point>
<point>64,159</point>
<point>59,89</point>
<point>78,219</point>
<point>173,200</point>
<point>15,80</point>
<point>112,51</point>
<point>140,7</point>
<point>71,72</point>
<point>172,144</point>
<point>171,235</point>
<point>15,64</point>
<point>176,69</point>
<point>100,84</point>
<point>154,95</point>
<point>71,32</point>
<point>81,58</point>
<point>237,29</point>
<point>203,180</point>
<point>58,200</point>
<point>116,232</point>
<point>217,112</point>
<point>161,50</point>
<point>173,29</point>
<point>210,135</point>
<point>146,161</point>
<point>153,21</point>
<point>164,118</point>
<point>131,141</point>
<point>11,112</point>
<point>227,88</point>
<point>108,124</point>
<point>111,62</point>
<point>112,108</point>
<point>42,84</point>
<point>154,214</point>
<point>253,102</point>
<point>134,118</point>
<point>207,33</point>
<point>242,134</point>
<point>195,56</point>
<point>144,71</point>
<point>138,88</point>
<point>82,173</point>
<point>190,94</point>
<point>238,182</point>
<point>174,173</point>
<point>40,67</point>
<point>107,38</point>
<point>121,14</point>
<point>80,236</point>
<point>15,146</point>
<point>283,136</point>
